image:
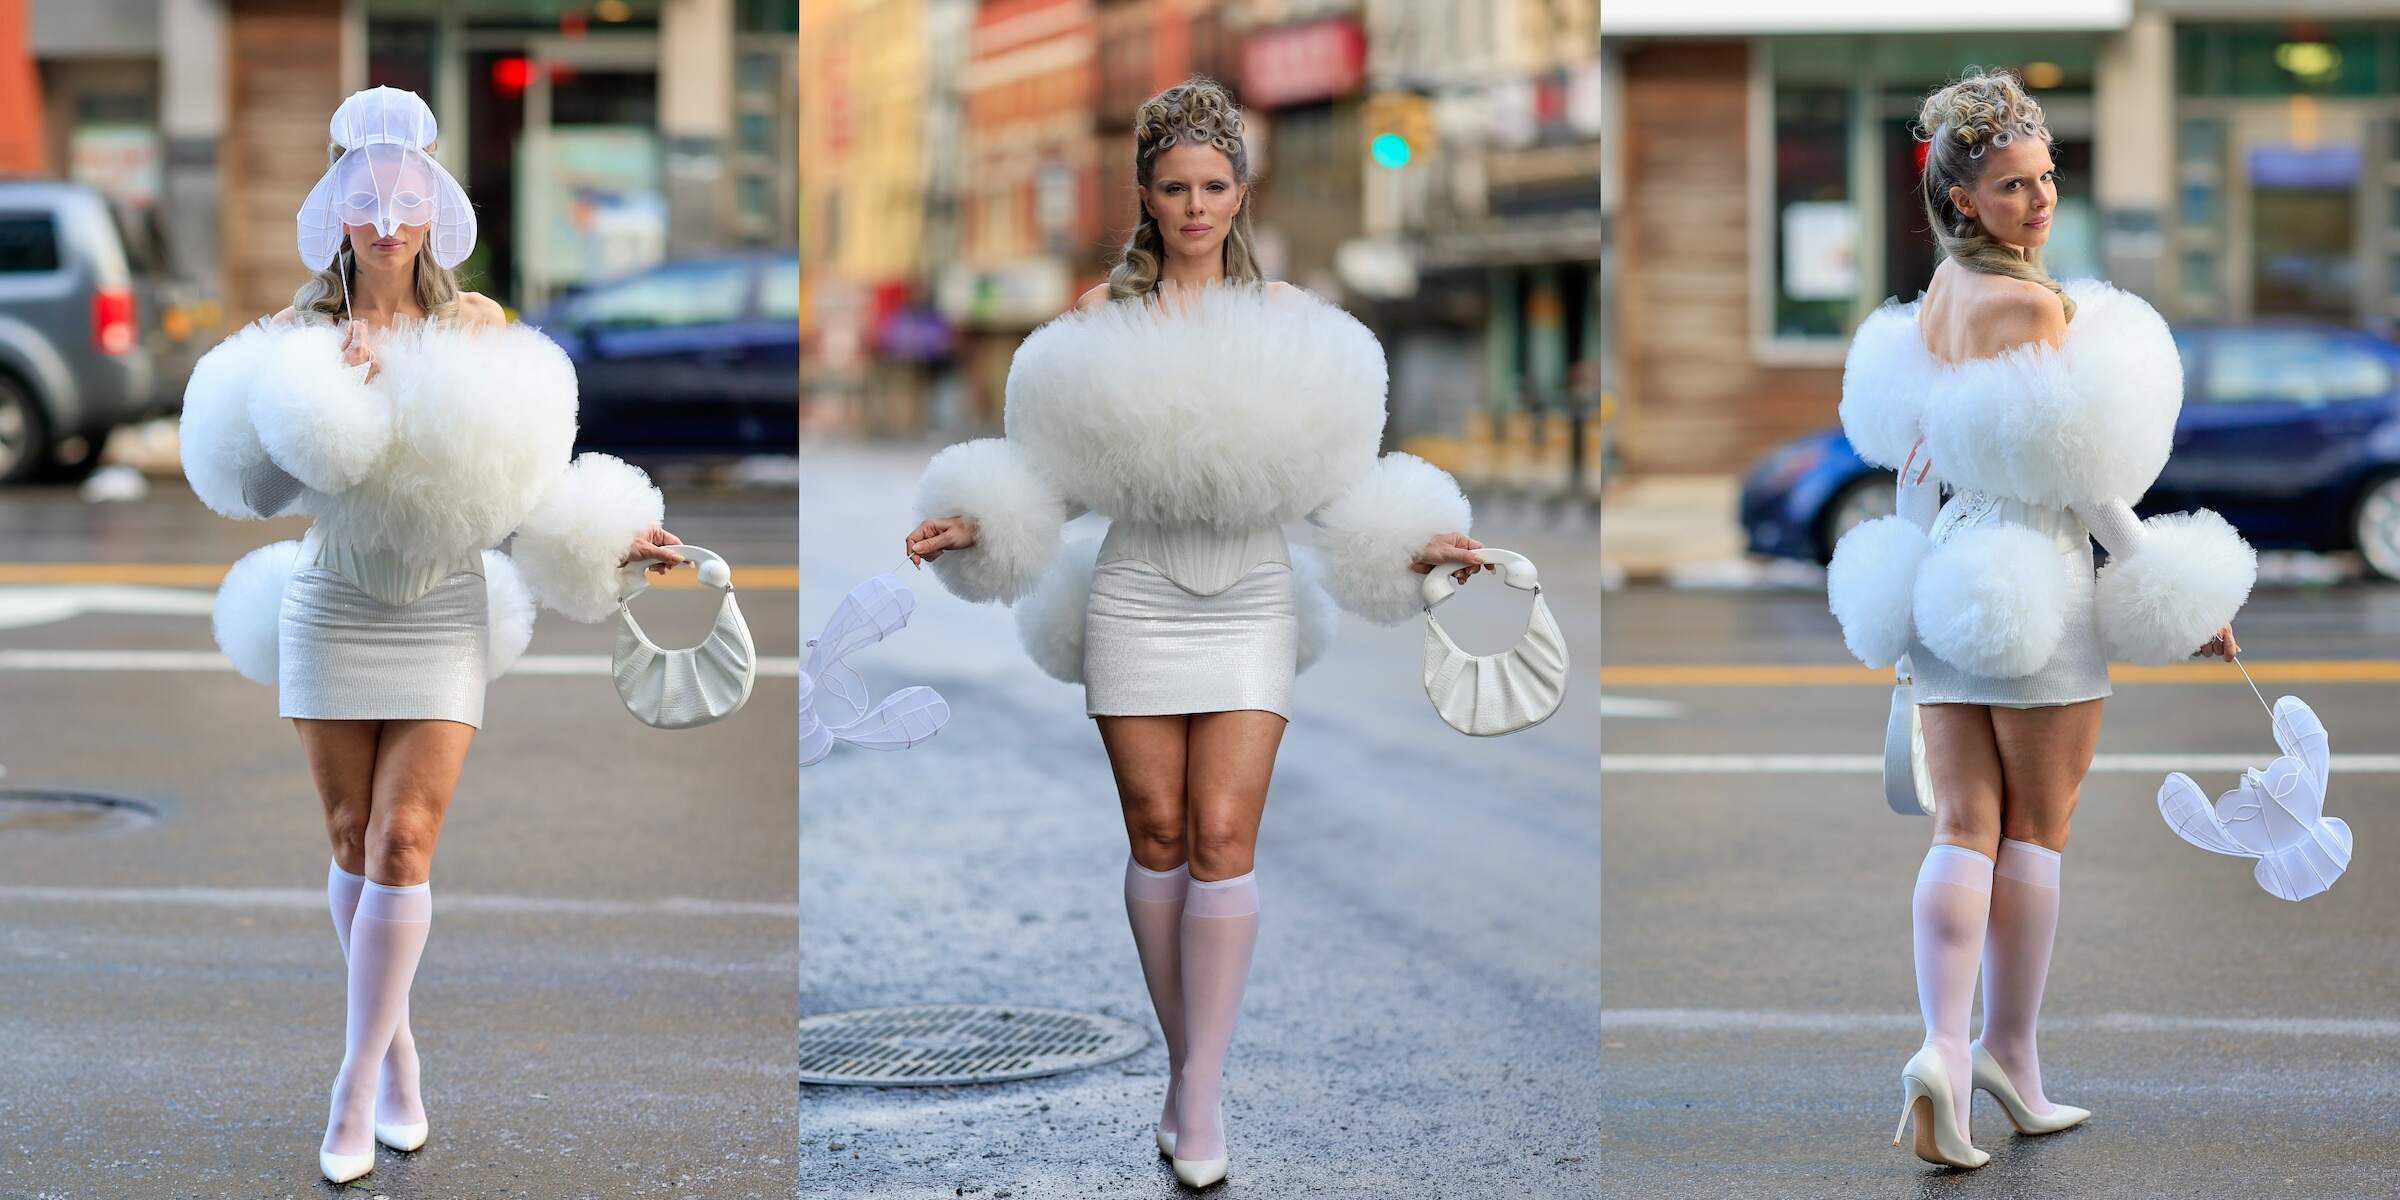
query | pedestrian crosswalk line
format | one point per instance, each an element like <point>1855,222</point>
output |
<point>2328,670</point>
<point>209,575</point>
<point>1862,764</point>
<point>783,666</point>
<point>1728,1020</point>
<point>451,901</point>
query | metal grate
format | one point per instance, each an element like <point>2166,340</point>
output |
<point>938,1044</point>
<point>59,810</point>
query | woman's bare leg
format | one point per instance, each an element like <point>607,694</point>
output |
<point>1951,905</point>
<point>1147,756</point>
<point>2044,755</point>
<point>341,761</point>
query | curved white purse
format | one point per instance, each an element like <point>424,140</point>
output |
<point>1907,782</point>
<point>680,689</point>
<point>1494,694</point>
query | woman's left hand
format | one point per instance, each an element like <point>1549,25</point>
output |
<point>2221,646</point>
<point>652,544</point>
<point>1452,548</point>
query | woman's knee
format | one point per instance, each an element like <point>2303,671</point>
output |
<point>346,829</point>
<point>400,847</point>
<point>1158,844</point>
<point>1221,849</point>
<point>2045,826</point>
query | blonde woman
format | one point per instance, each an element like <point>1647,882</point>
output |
<point>418,428</point>
<point>1200,408</point>
<point>2047,410</point>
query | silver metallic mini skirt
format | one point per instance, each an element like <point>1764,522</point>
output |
<point>344,655</point>
<point>2077,671</point>
<point>1153,648</point>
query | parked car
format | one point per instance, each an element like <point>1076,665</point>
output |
<point>2291,430</point>
<point>696,357</point>
<point>73,363</point>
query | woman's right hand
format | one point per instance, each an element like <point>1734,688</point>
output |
<point>356,349</point>
<point>936,534</point>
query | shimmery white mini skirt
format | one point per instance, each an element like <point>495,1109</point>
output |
<point>1151,647</point>
<point>344,655</point>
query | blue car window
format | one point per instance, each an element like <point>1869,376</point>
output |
<point>675,296</point>
<point>28,243</point>
<point>779,291</point>
<point>2291,366</point>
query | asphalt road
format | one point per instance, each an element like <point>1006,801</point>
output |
<point>1760,995</point>
<point>605,1008</point>
<point>1422,1016</point>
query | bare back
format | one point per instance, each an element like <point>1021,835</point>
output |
<point>1968,314</point>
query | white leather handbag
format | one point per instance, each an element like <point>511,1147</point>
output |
<point>693,686</point>
<point>1907,783</point>
<point>1501,693</point>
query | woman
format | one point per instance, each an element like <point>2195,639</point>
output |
<point>1200,408</point>
<point>2047,409</point>
<point>418,428</point>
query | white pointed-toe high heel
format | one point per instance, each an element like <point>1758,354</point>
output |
<point>1990,1078</point>
<point>401,1137</point>
<point>342,1168</point>
<point>1201,1173</point>
<point>1166,1143</point>
<point>1925,1094</point>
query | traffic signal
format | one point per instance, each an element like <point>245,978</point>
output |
<point>1399,128</point>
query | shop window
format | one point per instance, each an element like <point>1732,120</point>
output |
<point>2200,277</point>
<point>2295,59</point>
<point>2203,142</point>
<point>2199,204</point>
<point>1815,221</point>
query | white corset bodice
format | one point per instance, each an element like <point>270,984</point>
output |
<point>1200,559</point>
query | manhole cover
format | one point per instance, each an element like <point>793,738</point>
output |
<point>934,1044</point>
<point>57,810</point>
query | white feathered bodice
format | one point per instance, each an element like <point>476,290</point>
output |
<point>461,439</point>
<point>1206,423</point>
<point>2070,436</point>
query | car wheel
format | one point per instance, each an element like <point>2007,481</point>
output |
<point>2375,525</point>
<point>1861,500</point>
<point>24,433</point>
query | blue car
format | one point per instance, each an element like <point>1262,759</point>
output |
<point>2290,430</point>
<point>691,358</point>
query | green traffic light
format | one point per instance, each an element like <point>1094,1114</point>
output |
<point>1388,150</point>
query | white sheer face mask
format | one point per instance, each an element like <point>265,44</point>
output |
<point>385,181</point>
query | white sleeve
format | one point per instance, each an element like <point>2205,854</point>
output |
<point>2114,524</point>
<point>2170,582</point>
<point>1919,501</point>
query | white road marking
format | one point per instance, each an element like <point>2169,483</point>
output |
<point>1726,1020</point>
<point>1636,707</point>
<point>1869,764</point>
<point>787,666</point>
<point>451,901</point>
<point>25,606</point>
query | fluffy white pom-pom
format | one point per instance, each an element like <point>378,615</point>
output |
<point>248,613</point>
<point>1320,617</point>
<point>2190,576</point>
<point>1017,516</point>
<point>1373,532</point>
<point>1993,601</point>
<point>318,417</point>
<point>509,614</point>
<point>215,436</point>
<point>1869,583</point>
<point>568,547</point>
<point>1050,617</point>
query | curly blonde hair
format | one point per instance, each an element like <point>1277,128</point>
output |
<point>322,297</point>
<point>1959,123</point>
<point>1197,112</point>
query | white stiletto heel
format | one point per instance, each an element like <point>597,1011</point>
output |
<point>401,1137</point>
<point>1201,1172</point>
<point>1925,1094</point>
<point>342,1168</point>
<point>1990,1078</point>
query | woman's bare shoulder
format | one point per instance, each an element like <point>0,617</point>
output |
<point>2007,313</point>
<point>1093,297</point>
<point>480,309</point>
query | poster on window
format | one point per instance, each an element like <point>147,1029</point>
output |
<point>1820,250</point>
<point>589,204</point>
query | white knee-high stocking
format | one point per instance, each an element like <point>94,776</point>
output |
<point>397,1100</point>
<point>1220,929</point>
<point>2016,961</point>
<point>1952,904</point>
<point>387,936</point>
<point>1154,907</point>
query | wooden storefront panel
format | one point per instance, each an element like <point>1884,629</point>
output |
<point>283,76</point>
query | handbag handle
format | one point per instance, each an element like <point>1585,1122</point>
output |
<point>634,577</point>
<point>1516,571</point>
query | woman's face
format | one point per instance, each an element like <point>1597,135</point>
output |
<point>2014,199</point>
<point>1193,195</point>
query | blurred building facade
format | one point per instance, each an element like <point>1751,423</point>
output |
<point>595,138</point>
<point>1432,166</point>
<point>2227,159</point>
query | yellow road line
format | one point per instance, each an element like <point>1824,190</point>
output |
<point>2329,670</point>
<point>211,574</point>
